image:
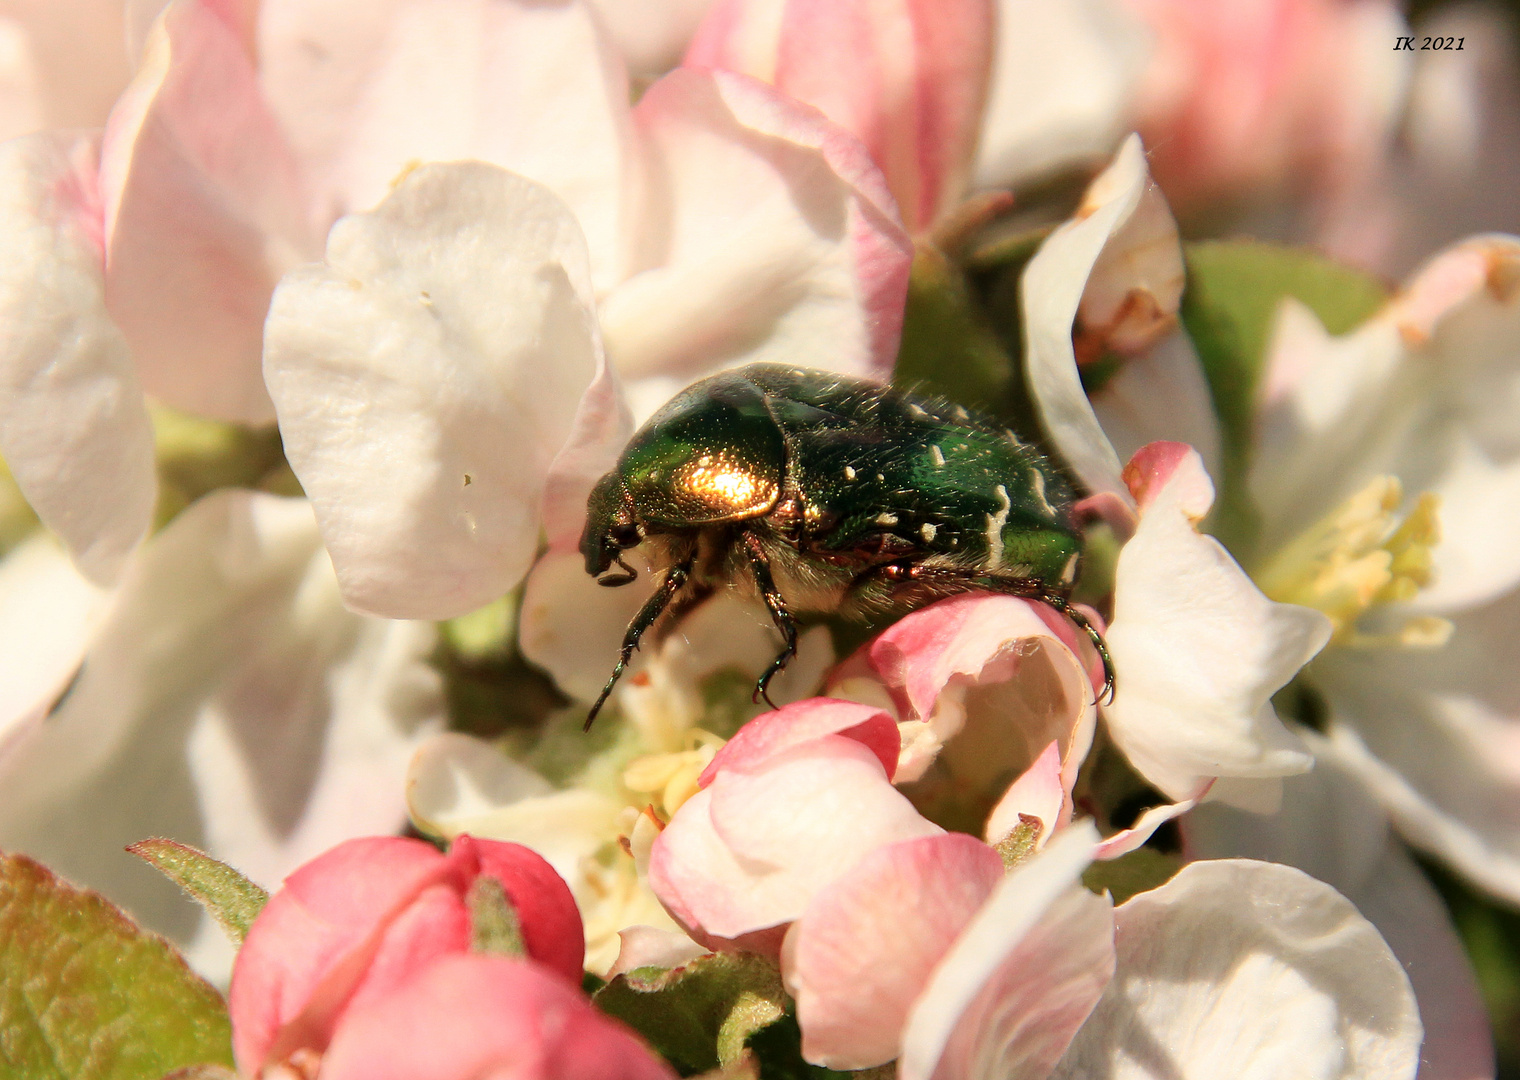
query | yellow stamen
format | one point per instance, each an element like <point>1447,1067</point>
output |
<point>1358,557</point>
<point>673,775</point>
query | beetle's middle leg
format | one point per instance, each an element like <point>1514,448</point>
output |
<point>669,586</point>
<point>776,604</point>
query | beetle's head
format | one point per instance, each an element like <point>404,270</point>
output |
<point>610,531</point>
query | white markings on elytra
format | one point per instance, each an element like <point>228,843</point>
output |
<point>1014,439</point>
<point>880,477</point>
<point>849,472</point>
<point>995,523</point>
<point>1037,478</point>
<point>1069,571</point>
<point>937,454</point>
<point>886,519</point>
<point>927,531</point>
<point>917,412</point>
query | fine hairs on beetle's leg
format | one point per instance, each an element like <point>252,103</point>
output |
<point>669,586</point>
<point>775,603</point>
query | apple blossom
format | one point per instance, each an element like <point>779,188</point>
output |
<point>597,829</point>
<point>361,921</point>
<point>907,77</point>
<point>221,695</point>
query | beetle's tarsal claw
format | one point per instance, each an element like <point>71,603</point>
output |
<point>1080,621</point>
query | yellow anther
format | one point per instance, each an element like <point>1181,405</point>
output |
<point>1361,556</point>
<point>672,776</point>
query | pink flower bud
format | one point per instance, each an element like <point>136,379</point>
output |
<point>356,923</point>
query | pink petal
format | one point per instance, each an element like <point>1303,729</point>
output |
<point>1153,467</point>
<point>550,923</point>
<point>748,851</point>
<point>1021,978</point>
<point>651,34</point>
<point>486,1016</point>
<point>67,64</point>
<point>367,88</point>
<point>74,428</point>
<point>1011,665</point>
<point>203,214</point>
<point>863,950</point>
<point>771,236</point>
<point>328,908</point>
<point>907,78</point>
<point>602,428</point>
<point>1038,793</point>
<point>774,733</point>
<point>426,376</point>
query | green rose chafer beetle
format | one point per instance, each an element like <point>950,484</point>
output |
<point>829,493</point>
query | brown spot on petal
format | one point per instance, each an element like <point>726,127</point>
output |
<point>1503,277</point>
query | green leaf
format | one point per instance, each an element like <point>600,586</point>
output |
<point>85,994</point>
<point>494,926</point>
<point>700,1015</point>
<point>1233,292</point>
<point>948,347</point>
<point>231,899</point>
<point>1139,871</point>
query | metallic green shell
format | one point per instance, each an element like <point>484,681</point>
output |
<point>845,470</point>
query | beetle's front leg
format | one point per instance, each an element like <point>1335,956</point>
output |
<point>669,586</point>
<point>776,604</point>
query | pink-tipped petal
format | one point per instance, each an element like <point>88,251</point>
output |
<point>1199,651</point>
<point>426,376</point>
<point>1153,467</point>
<point>1005,667</point>
<point>773,733</point>
<point>368,88</point>
<point>203,213</point>
<point>770,236</point>
<point>1020,979</point>
<point>907,78</point>
<point>862,952</point>
<point>1038,793</point>
<point>748,851</point>
<point>74,428</point>
<point>487,1016</point>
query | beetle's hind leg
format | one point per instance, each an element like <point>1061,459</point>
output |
<point>1081,622</point>
<point>653,608</point>
<point>776,604</point>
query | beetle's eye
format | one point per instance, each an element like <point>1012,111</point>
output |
<point>625,536</point>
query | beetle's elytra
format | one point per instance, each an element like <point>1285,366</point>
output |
<point>829,493</point>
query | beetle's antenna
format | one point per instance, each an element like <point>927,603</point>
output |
<point>1081,622</point>
<point>671,584</point>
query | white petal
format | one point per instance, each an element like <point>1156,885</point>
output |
<point>1020,979</point>
<point>1251,970</point>
<point>1061,87</point>
<point>1093,250</point>
<point>48,613</point>
<point>456,780</point>
<point>229,702</point>
<point>1435,734</point>
<point>1161,395</point>
<point>650,946</point>
<point>74,428</point>
<point>426,375</point>
<point>1332,413</point>
<point>1198,653</point>
<point>367,88</point>
<point>771,237</point>
<point>1331,827</point>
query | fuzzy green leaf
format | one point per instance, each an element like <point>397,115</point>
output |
<point>699,1015</point>
<point>230,898</point>
<point>85,994</point>
<point>1233,292</point>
